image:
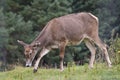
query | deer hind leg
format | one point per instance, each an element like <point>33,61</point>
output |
<point>104,49</point>
<point>92,49</point>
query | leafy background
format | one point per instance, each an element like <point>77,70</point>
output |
<point>24,19</point>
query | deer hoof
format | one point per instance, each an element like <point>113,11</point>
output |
<point>110,66</point>
<point>61,70</point>
<point>35,70</point>
<point>90,67</point>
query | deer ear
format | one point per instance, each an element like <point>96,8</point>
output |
<point>21,42</point>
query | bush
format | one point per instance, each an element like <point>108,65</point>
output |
<point>115,50</point>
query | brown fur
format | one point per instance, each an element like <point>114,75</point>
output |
<point>71,27</point>
<point>69,30</point>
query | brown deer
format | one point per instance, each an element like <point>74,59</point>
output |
<point>70,29</point>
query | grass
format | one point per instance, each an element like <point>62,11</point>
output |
<point>100,72</point>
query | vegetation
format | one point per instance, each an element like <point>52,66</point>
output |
<point>24,20</point>
<point>100,72</point>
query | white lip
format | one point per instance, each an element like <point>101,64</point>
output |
<point>28,65</point>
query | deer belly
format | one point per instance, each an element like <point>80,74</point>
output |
<point>54,46</point>
<point>74,42</point>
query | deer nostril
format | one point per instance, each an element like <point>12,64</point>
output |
<point>27,65</point>
<point>30,54</point>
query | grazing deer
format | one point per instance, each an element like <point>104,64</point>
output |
<point>70,29</point>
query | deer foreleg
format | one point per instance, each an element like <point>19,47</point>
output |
<point>42,53</point>
<point>62,50</point>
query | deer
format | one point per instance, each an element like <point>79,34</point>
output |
<point>67,30</point>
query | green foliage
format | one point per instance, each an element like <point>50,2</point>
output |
<point>3,40</point>
<point>84,5</point>
<point>17,29</point>
<point>3,31</point>
<point>17,26</point>
<point>13,27</point>
<point>107,16</point>
<point>80,54</point>
<point>24,20</point>
<point>41,11</point>
<point>117,22</point>
<point>115,50</point>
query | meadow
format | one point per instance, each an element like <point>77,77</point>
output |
<point>99,72</point>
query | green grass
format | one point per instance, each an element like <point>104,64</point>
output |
<point>99,72</point>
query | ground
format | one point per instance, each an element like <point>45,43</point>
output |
<point>99,72</point>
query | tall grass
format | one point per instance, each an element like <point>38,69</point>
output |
<point>99,72</point>
<point>114,50</point>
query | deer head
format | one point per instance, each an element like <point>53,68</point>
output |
<point>29,51</point>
